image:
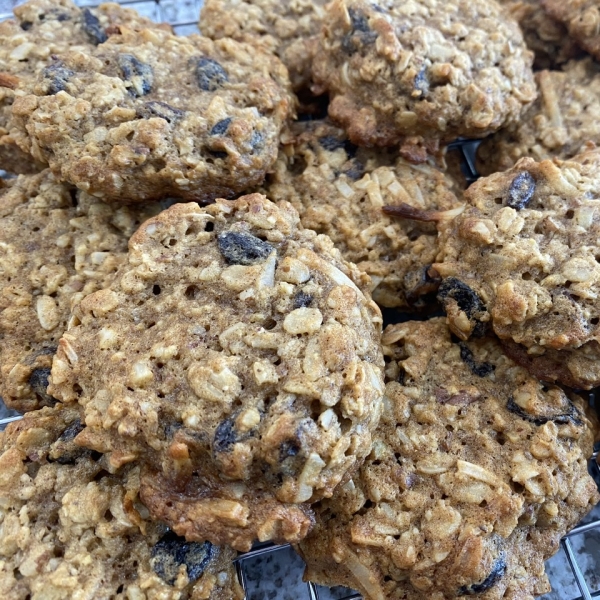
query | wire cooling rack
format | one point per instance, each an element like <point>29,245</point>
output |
<point>570,568</point>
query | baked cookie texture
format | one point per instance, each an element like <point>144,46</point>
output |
<point>57,244</point>
<point>422,70</point>
<point>560,122</point>
<point>287,28</point>
<point>74,528</point>
<point>41,29</point>
<point>476,472</point>
<point>340,190</point>
<point>523,260</point>
<point>236,356</point>
<point>148,114</point>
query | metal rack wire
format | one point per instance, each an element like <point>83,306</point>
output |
<point>183,16</point>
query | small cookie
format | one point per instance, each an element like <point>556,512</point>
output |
<point>340,190</point>
<point>57,244</point>
<point>428,70</point>
<point>565,116</point>
<point>72,529</point>
<point>42,28</point>
<point>148,115</point>
<point>477,471</point>
<point>236,357</point>
<point>523,258</point>
<point>287,28</point>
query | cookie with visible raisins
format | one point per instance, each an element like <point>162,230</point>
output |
<point>477,471</point>
<point>71,526</point>
<point>237,357</point>
<point>148,115</point>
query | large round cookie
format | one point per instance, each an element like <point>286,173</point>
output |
<point>43,28</point>
<point>286,27</point>
<point>340,190</point>
<point>72,529</point>
<point>565,116</point>
<point>57,244</point>
<point>424,69</point>
<point>477,470</point>
<point>148,114</point>
<point>235,356</point>
<point>523,258</point>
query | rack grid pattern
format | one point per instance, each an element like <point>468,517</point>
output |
<point>183,16</point>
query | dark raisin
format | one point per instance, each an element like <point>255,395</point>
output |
<point>225,436</point>
<point>521,191</point>
<point>498,570</point>
<point>481,369</point>
<point>172,551</point>
<point>242,248</point>
<point>38,380</point>
<point>302,300</point>
<point>331,143</point>
<point>361,34</point>
<point>139,74</point>
<point>421,82</point>
<point>221,127</point>
<point>71,432</point>
<point>355,170</point>
<point>62,17</point>
<point>165,111</point>
<point>287,449</point>
<point>210,74</point>
<point>420,283</point>
<point>91,25</point>
<point>571,416</point>
<point>26,25</point>
<point>359,20</point>
<point>257,141</point>
<point>64,451</point>
<point>56,76</point>
<point>467,300</point>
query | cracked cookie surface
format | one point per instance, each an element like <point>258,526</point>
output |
<point>238,359</point>
<point>477,471</point>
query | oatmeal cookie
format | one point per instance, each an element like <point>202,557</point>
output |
<point>148,114</point>
<point>340,189</point>
<point>523,258</point>
<point>581,18</point>
<point>477,470</point>
<point>43,28</point>
<point>422,70</point>
<point>237,357</point>
<point>73,528</point>
<point>288,28</point>
<point>57,244</point>
<point>564,117</point>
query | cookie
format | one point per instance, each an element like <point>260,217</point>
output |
<point>559,123</point>
<point>72,528</point>
<point>477,470</point>
<point>523,259</point>
<point>43,28</point>
<point>57,244</point>
<point>237,357</point>
<point>340,190</point>
<point>582,20</point>
<point>148,115</point>
<point>423,71</point>
<point>287,28</point>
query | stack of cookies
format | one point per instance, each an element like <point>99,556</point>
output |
<point>199,237</point>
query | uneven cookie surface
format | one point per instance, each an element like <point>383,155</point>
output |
<point>477,470</point>
<point>523,258</point>
<point>149,114</point>
<point>565,116</point>
<point>422,69</point>
<point>71,528</point>
<point>57,244</point>
<point>237,358</point>
<point>339,190</point>
<point>286,27</point>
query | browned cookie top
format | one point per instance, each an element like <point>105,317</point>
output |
<point>148,114</point>
<point>477,470</point>
<point>425,68</point>
<point>237,357</point>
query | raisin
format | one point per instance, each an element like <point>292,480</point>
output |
<point>242,248</point>
<point>498,570</point>
<point>139,74</point>
<point>521,191</point>
<point>38,380</point>
<point>56,76</point>
<point>571,416</point>
<point>287,449</point>
<point>481,369</point>
<point>302,300</point>
<point>64,451</point>
<point>359,21</point>
<point>257,141</point>
<point>162,110</point>
<point>361,34</point>
<point>225,436</point>
<point>421,82</point>
<point>172,551</point>
<point>467,300</point>
<point>221,127</point>
<point>71,432</point>
<point>210,74</point>
<point>331,143</point>
<point>420,283</point>
<point>91,25</point>
<point>355,170</point>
